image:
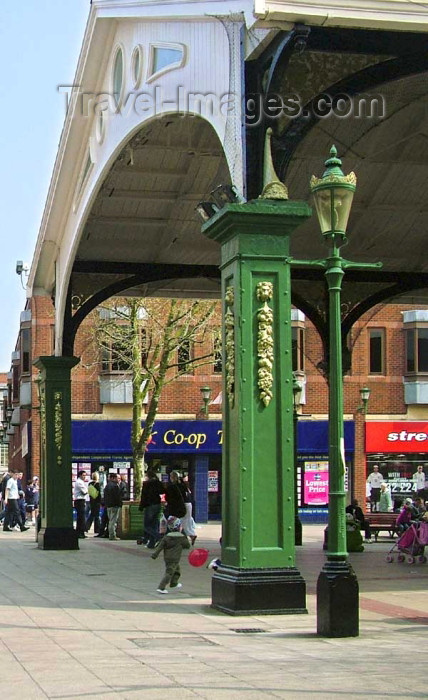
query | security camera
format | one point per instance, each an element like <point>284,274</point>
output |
<point>21,267</point>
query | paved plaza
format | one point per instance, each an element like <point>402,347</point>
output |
<point>89,624</point>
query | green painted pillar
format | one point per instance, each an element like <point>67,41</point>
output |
<point>258,573</point>
<point>56,531</point>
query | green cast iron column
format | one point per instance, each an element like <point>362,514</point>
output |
<point>258,572</point>
<point>56,510</point>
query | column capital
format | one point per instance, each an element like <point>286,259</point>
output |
<point>260,216</point>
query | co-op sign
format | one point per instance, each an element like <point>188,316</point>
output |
<point>397,436</point>
<point>186,436</point>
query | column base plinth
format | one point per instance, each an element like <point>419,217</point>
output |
<point>279,591</point>
<point>57,538</point>
<point>337,601</point>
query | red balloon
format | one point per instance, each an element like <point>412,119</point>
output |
<point>198,557</point>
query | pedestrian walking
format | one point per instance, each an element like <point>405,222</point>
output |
<point>94,503</point>
<point>4,481</point>
<point>150,504</point>
<point>80,493</point>
<point>174,498</point>
<point>172,545</point>
<point>32,495</point>
<point>113,503</point>
<point>13,513</point>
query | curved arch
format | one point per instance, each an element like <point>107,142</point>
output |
<point>377,298</point>
<point>62,290</point>
<point>149,273</point>
<point>371,77</point>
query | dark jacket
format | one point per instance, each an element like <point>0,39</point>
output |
<point>32,496</point>
<point>175,501</point>
<point>356,513</point>
<point>185,492</point>
<point>112,495</point>
<point>3,484</point>
<point>172,545</point>
<point>151,493</point>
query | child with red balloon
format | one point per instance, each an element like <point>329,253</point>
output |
<point>172,545</point>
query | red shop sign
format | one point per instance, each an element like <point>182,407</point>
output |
<point>397,436</point>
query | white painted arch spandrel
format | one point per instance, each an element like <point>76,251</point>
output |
<point>206,71</point>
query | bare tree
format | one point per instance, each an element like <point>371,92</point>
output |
<point>151,340</point>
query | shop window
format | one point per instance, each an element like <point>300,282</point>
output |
<point>184,358</point>
<point>25,351</point>
<point>417,350</point>
<point>218,359</point>
<point>398,471</point>
<point>376,351</point>
<point>298,348</point>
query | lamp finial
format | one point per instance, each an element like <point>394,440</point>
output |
<point>273,188</point>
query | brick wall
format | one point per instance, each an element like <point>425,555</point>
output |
<point>183,396</point>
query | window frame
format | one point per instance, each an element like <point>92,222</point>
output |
<point>382,331</point>
<point>25,350</point>
<point>298,346</point>
<point>107,362</point>
<point>189,362</point>
<point>415,329</point>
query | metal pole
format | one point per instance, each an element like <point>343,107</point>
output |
<point>336,502</point>
<point>337,586</point>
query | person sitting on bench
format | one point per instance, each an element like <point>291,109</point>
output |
<point>358,515</point>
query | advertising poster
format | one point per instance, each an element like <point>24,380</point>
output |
<point>315,484</point>
<point>213,482</point>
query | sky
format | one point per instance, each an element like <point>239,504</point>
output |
<point>39,47</point>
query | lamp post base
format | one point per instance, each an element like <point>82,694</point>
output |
<point>258,591</point>
<point>57,538</point>
<point>298,538</point>
<point>337,600</point>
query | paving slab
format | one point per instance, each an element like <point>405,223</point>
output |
<point>89,624</point>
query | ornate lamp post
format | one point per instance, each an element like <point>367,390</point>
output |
<point>297,395</point>
<point>206,395</point>
<point>337,587</point>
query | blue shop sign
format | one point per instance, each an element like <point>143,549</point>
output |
<point>312,436</point>
<point>96,439</point>
<point>99,437</point>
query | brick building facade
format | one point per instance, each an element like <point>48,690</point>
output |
<point>380,361</point>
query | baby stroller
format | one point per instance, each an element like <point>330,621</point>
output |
<point>411,543</point>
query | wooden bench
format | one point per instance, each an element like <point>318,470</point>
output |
<point>382,521</point>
